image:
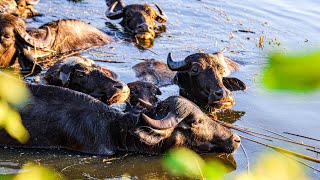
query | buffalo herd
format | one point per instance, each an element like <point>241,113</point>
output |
<point>71,105</point>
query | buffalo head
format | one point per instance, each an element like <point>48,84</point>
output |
<point>143,94</point>
<point>25,8</point>
<point>137,19</point>
<point>178,122</point>
<point>15,39</point>
<point>201,78</point>
<point>85,76</point>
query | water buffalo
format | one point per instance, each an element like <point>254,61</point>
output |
<point>57,117</point>
<point>85,76</point>
<point>202,79</point>
<point>23,8</point>
<point>52,39</point>
<point>136,18</point>
<point>142,95</point>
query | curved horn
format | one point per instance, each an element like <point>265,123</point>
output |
<point>34,42</point>
<point>176,66</point>
<point>145,103</point>
<point>33,2</point>
<point>162,17</point>
<point>114,15</point>
<point>171,120</point>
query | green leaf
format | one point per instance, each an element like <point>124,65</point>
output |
<point>12,89</point>
<point>10,120</point>
<point>214,170</point>
<point>35,172</point>
<point>182,161</point>
<point>295,72</point>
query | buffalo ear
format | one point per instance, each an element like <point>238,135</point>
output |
<point>65,73</point>
<point>109,73</point>
<point>184,125</point>
<point>233,84</point>
<point>64,77</point>
<point>158,91</point>
<point>149,135</point>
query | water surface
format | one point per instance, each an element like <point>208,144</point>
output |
<point>197,25</point>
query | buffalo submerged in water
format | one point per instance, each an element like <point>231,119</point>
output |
<point>201,77</point>
<point>137,19</point>
<point>86,76</point>
<point>52,39</point>
<point>57,117</point>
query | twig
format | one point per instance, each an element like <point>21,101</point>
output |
<point>198,166</point>
<point>108,61</point>
<point>318,152</point>
<point>248,163</point>
<point>273,132</point>
<point>300,162</point>
<point>254,135</point>
<point>245,31</point>
<point>284,150</point>
<point>239,129</point>
<point>302,136</point>
<point>70,166</point>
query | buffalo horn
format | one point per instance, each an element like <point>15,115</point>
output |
<point>162,17</point>
<point>144,103</point>
<point>176,66</point>
<point>34,42</point>
<point>171,120</point>
<point>33,2</point>
<point>114,15</point>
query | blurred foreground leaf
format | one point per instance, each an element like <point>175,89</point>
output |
<point>12,92</point>
<point>185,162</point>
<point>299,72</point>
<point>275,166</point>
<point>12,89</point>
<point>35,172</point>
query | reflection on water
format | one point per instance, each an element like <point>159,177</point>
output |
<point>78,165</point>
<point>192,26</point>
<point>230,116</point>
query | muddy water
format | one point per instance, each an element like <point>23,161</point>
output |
<point>198,25</point>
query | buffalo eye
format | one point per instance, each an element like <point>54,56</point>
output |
<point>195,69</point>
<point>132,89</point>
<point>129,15</point>
<point>80,74</point>
<point>7,36</point>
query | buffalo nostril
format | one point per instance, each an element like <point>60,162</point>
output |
<point>219,93</point>
<point>236,138</point>
<point>118,85</point>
